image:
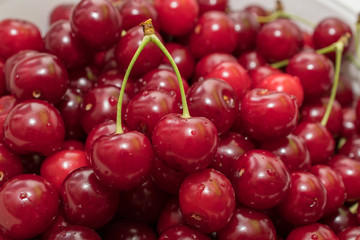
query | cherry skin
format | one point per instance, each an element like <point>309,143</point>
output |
<point>73,145</point>
<point>267,114</point>
<point>260,179</point>
<point>199,136</point>
<point>166,9</point>
<point>28,204</point>
<point>83,79</point>
<point>61,12</point>
<point>216,100</point>
<point>318,139</point>
<point>214,32</point>
<point>10,164</point>
<point>292,151</point>
<point>305,201</point>
<point>59,222</point>
<point>96,22</point>
<point>122,161</point>
<point>209,5</point>
<point>82,193</point>
<point>17,35</point>
<point>34,126</point>
<point>3,89</point>
<point>248,224</point>
<point>62,163</point>
<point>351,233</point>
<point>350,123</point>
<point>251,60</point>
<point>125,230</point>
<point>339,220</point>
<point>74,232</point>
<point>351,148</point>
<point>312,231</point>
<point>231,146</point>
<point>7,103</point>
<point>207,200</point>
<point>182,232</point>
<point>258,74</point>
<point>40,76</point>
<point>170,215</point>
<point>279,40</point>
<point>115,77</point>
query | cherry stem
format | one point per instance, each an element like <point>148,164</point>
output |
<point>280,64</point>
<point>143,43</point>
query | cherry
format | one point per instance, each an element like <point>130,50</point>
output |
<point>268,114</point>
<point>74,232</point>
<point>122,161</point>
<point>318,139</point>
<point>7,103</point>
<point>279,40</point>
<point>260,179</point>
<point>83,79</point>
<point>115,77</point>
<point>248,224</point>
<point>3,89</point>
<point>312,231</point>
<point>231,146</point>
<point>34,126</point>
<point>96,22</point>
<point>182,232</point>
<point>10,164</point>
<point>126,230</point>
<point>314,70</point>
<point>251,60</point>
<point>209,5</point>
<point>17,35</point>
<point>72,145</point>
<point>234,74</point>
<point>351,233</point>
<point>170,215</point>
<point>61,42</point>
<point>207,200</point>
<point>214,32</point>
<point>187,9</point>
<point>39,76</point>
<point>28,204</point>
<point>86,201</point>
<point>258,74</point>
<point>58,223</point>
<point>292,151</point>
<point>283,82</point>
<point>62,162</point>
<point>351,148</point>
<point>60,12</point>
<point>350,123</point>
<point>256,9</point>
<point>199,136</point>
<point>339,220</point>
<point>305,201</point>
<point>344,94</point>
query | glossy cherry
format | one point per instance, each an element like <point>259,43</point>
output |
<point>34,126</point>
<point>199,142</point>
<point>339,220</point>
<point>350,123</point>
<point>258,74</point>
<point>182,232</point>
<point>74,232</point>
<point>7,103</point>
<point>73,145</point>
<point>209,5</point>
<point>86,201</point>
<point>3,89</point>
<point>351,148</point>
<point>125,230</point>
<point>61,12</point>
<point>115,77</point>
<point>83,79</point>
<point>251,60</point>
<point>351,233</point>
<point>312,231</point>
<point>10,164</point>
<point>56,224</point>
<point>170,215</point>
<point>28,204</point>
<point>207,200</point>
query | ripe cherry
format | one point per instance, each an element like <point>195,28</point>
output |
<point>74,232</point>
<point>351,233</point>
<point>312,231</point>
<point>182,232</point>
<point>10,164</point>
<point>209,5</point>
<point>251,60</point>
<point>170,215</point>
<point>125,230</point>
<point>339,220</point>
<point>61,12</point>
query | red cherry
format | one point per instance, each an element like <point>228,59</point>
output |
<point>351,148</point>
<point>10,164</point>
<point>83,79</point>
<point>7,103</point>
<point>73,145</point>
<point>182,232</point>
<point>126,230</point>
<point>28,205</point>
<point>251,60</point>
<point>58,223</point>
<point>209,5</point>
<point>258,74</point>
<point>170,215</point>
<point>61,12</point>
<point>207,200</point>
<point>339,220</point>
<point>115,77</point>
<point>351,233</point>
<point>312,231</point>
<point>74,232</point>
<point>350,124</point>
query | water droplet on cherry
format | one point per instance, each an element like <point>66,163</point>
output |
<point>112,101</point>
<point>193,132</point>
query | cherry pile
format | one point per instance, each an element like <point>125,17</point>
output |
<point>201,123</point>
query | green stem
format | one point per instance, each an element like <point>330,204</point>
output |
<point>281,14</point>
<point>143,43</point>
<point>157,41</point>
<point>280,64</point>
<point>339,47</point>
<point>327,49</point>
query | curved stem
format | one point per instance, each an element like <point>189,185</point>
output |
<point>143,43</point>
<point>157,41</point>
<point>280,64</point>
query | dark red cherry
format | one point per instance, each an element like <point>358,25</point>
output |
<point>86,201</point>
<point>207,200</point>
<point>351,148</point>
<point>305,201</point>
<point>122,161</point>
<point>96,22</point>
<point>209,5</point>
<point>7,103</point>
<point>279,40</point>
<point>231,146</point>
<point>260,179</point>
<point>314,70</point>
<point>216,100</point>
<point>40,76</point>
<point>58,223</point>
<point>17,35</point>
<point>10,164</point>
<point>214,32</point>
<point>182,232</point>
<point>3,89</point>
<point>248,224</point>
<point>350,124</point>
<point>83,79</point>
<point>170,215</point>
<point>334,185</point>
<point>60,12</point>
<point>34,126</point>
<point>74,232</point>
<point>150,58</point>
<point>58,165</point>
<point>292,151</point>
<point>282,82</point>
<point>143,203</point>
<point>61,42</point>
<point>256,9</point>
<point>351,233</point>
<point>318,139</point>
<point>339,220</point>
<point>267,114</point>
<point>345,94</point>
<point>177,26</point>
<point>71,144</point>
<point>258,74</point>
<point>312,231</point>
<point>115,77</point>
<point>126,230</point>
<point>251,60</point>
<point>28,205</point>
<point>198,145</point>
